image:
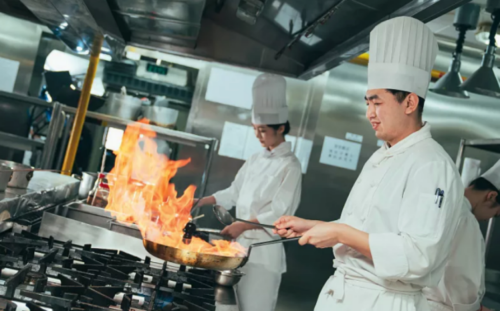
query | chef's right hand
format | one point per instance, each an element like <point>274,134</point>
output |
<point>292,226</point>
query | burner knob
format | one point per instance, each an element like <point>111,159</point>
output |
<point>147,260</point>
<point>139,277</point>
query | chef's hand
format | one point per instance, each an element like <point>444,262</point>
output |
<point>292,226</point>
<point>235,229</point>
<point>323,235</point>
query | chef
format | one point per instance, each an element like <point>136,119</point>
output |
<point>462,286</point>
<point>397,225</point>
<point>266,187</point>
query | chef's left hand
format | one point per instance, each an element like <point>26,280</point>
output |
<point>235,229</point>
<point>323,235</point>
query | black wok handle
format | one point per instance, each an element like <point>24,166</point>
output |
<point>275,242</point>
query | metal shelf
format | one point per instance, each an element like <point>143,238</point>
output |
<point>19,143</point>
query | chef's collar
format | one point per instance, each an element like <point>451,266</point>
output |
<point>280,150</point>
<point>418,136</point>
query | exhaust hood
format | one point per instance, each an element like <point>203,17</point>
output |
<point>313,36</point>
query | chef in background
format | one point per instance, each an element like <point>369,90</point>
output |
<point>396,228</point>
<point>267,186</point>
<point>462,286</point>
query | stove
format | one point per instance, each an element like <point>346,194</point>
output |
<point>39,273</point>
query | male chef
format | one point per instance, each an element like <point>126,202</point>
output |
<point>462,286</point>
<point>396,228</point>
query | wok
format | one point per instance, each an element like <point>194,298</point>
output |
<point>207,261</point>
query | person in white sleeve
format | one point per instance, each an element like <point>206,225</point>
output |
<point>396,228</point>
<point>267,186</point>
<point>462,286</point>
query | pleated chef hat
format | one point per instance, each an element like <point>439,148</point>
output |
<point>402,55</point>
<point>493,175</point>
<point>269,100</point>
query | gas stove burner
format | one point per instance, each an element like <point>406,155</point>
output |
<point>40,274</point>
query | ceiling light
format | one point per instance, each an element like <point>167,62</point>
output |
<point>466,18</point>
<point>484,80</point>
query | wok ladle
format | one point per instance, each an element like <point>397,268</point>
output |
<point>226,219</point>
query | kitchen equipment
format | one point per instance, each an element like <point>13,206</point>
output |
<point>161,116</point>
<point>200,260</point>
<point>226,219</point>
<point>87,184</point>
<point>228,277</point>
<point>5,176</point>
<point>21,174</point>
<point>122,106</point>
<point>65,275</point>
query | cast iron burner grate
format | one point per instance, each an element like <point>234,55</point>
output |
<point>38,273</point>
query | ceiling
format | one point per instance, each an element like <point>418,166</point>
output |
<point>230,31</point>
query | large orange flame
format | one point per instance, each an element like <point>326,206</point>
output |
<point>140,192</point>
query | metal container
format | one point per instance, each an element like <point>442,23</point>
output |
<point>86,185</point>
<point>122,106</point>
<point>228,277</point>
<point>5,176</point>
<point>21,174</point>
<point>161,116</point>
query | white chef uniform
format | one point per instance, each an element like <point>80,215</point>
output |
<point>394,198</point>
<point>267,187</point>
<point>462,286</point>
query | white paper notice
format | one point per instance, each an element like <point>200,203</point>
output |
<point>114,139</point>
<point>341,153</point>
<point>354,137</point>
<point>230,88</point>
<point>8,70</point>
<point>470,171</point>
<point>233,140</point>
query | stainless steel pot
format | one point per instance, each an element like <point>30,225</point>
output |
<point>87,183</point>
<point>228,277</point>
<point>21,174</point>
<point>5,176</point>
<point>161,116</point>
<point>122,106</point>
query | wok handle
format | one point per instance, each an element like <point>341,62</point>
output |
<point>275,242</point>
<point>256,224</point>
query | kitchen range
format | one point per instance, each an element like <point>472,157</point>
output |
<point>43,273</point>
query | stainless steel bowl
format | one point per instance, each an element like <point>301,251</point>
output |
<point>5,176</point>
<point>228,277</point>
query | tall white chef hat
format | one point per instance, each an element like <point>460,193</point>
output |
<point>493,175</point>
<point>402,54</point>
<point>269,100</point>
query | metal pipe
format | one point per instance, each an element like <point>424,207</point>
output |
<point>208,164</point>
<point>52,136</point>
<point>487,239</point>
<point>83,104</point>
<point>460,154</point>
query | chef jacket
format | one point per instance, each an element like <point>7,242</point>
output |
<point>267,186</point>
<point>462,286</point>
<point>394,200</point>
